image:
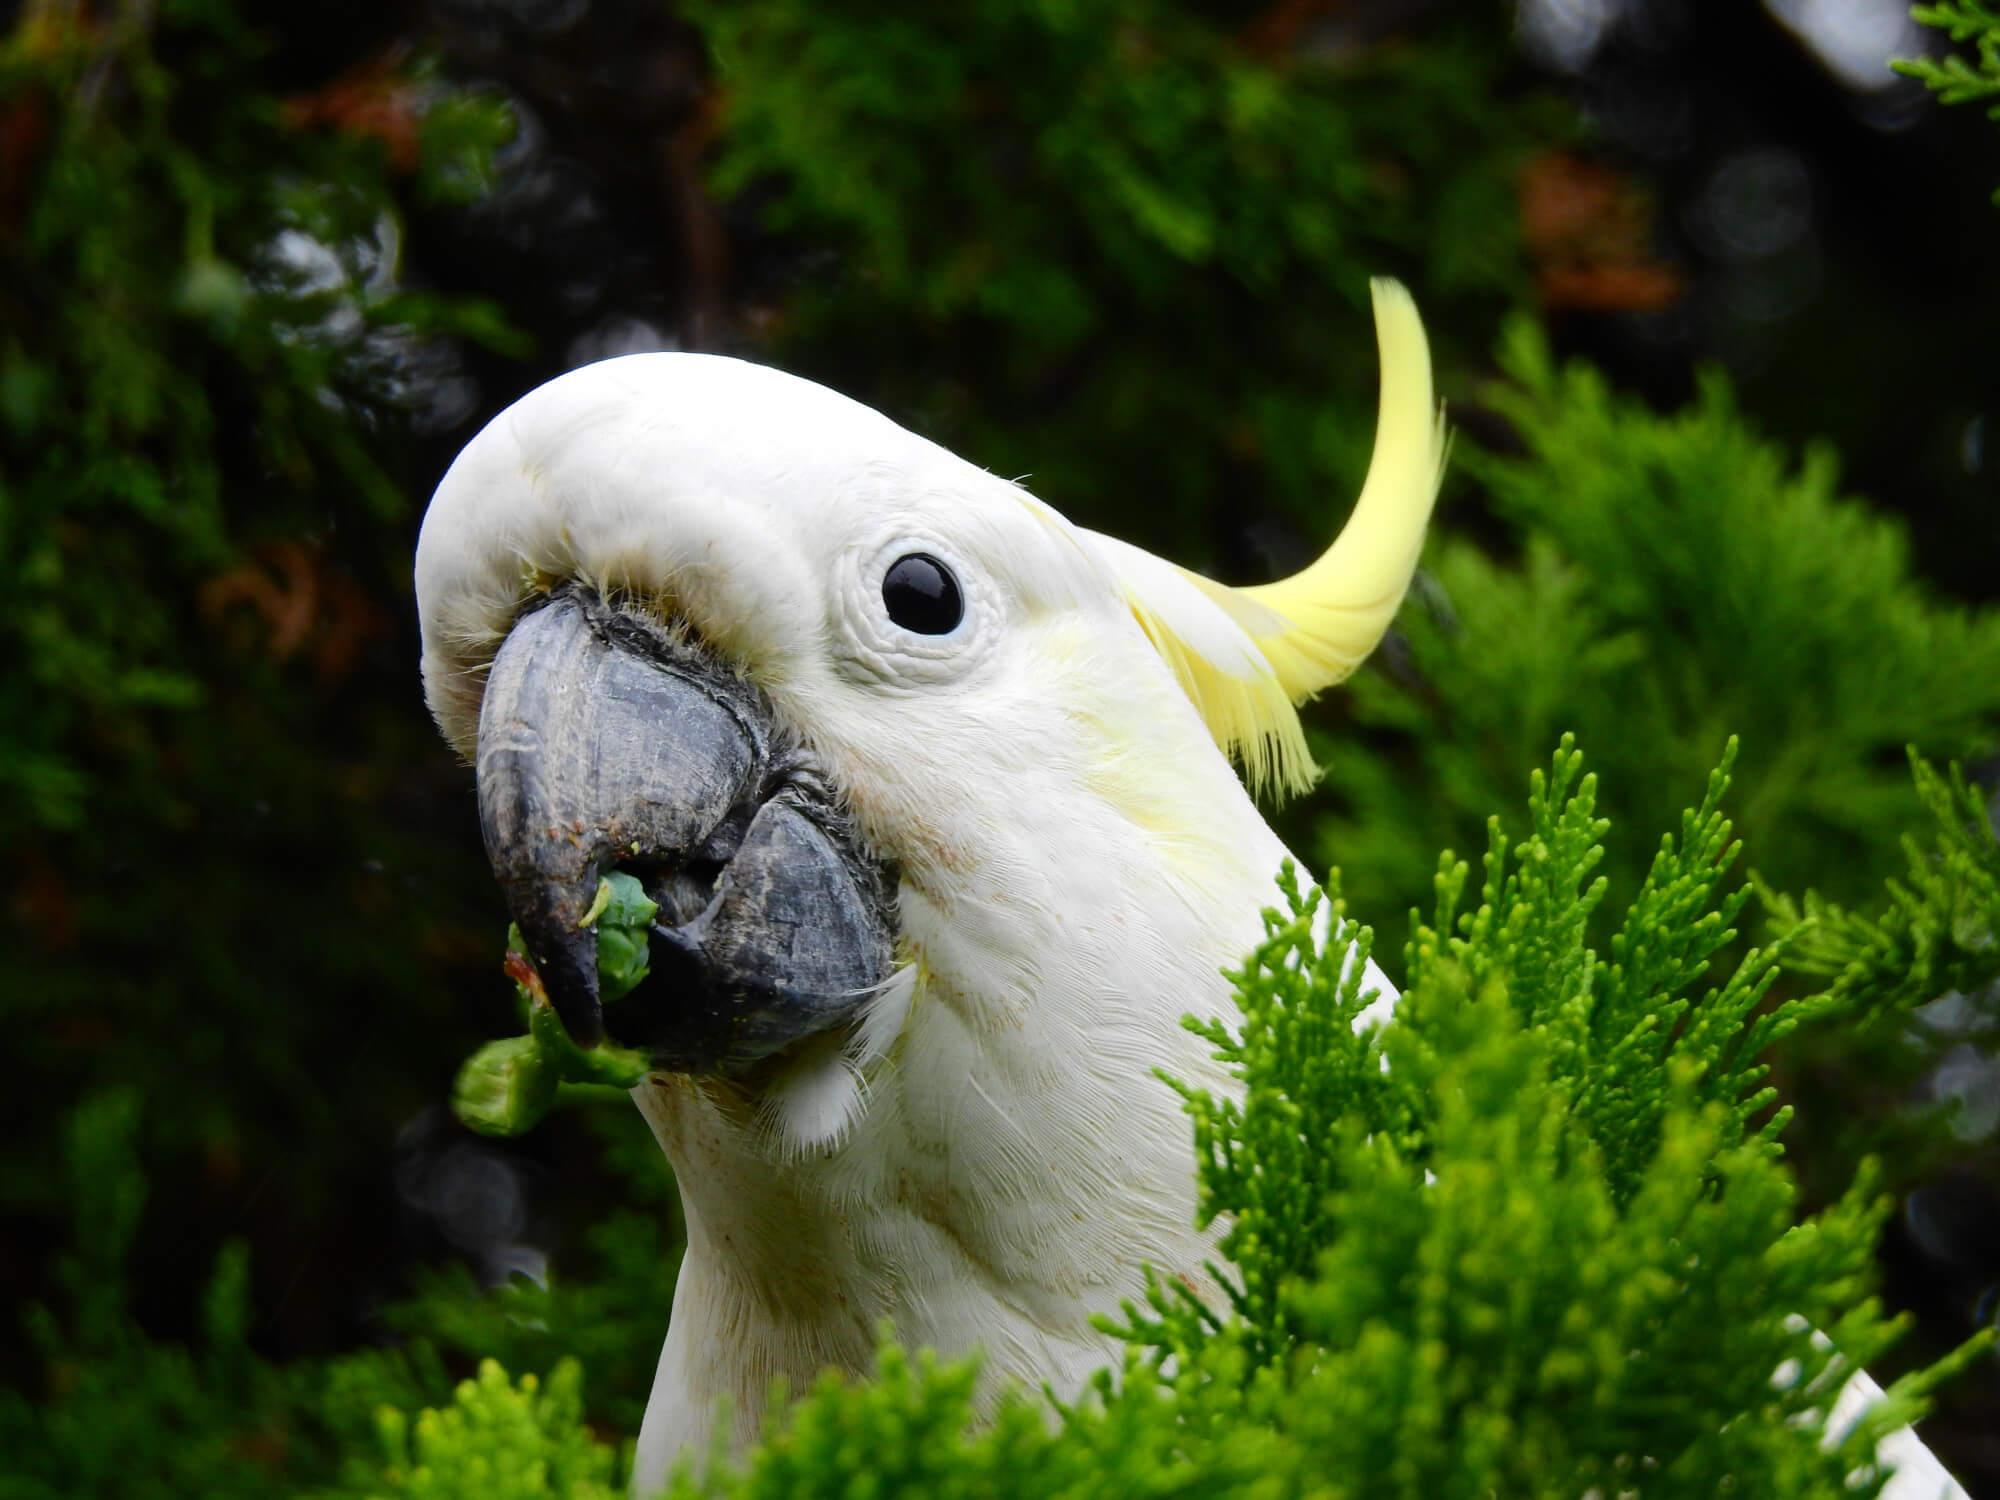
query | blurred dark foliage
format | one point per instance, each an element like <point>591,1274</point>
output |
<point>264,268</point>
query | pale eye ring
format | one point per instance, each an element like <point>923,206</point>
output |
<point>922,596</point>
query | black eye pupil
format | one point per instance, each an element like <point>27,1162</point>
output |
<point>922,596</point>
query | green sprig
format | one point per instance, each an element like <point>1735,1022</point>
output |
<point>507,1086</point>
<point>1954,77</point>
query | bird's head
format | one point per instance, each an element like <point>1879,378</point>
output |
<point>798,668</point>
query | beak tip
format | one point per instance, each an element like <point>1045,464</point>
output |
<point>568,967</point>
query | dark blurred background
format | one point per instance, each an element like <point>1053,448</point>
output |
<point>264,269</point>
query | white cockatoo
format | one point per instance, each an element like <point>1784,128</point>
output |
<point>935,789</point>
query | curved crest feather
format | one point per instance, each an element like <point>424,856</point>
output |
<point>1247,656</point>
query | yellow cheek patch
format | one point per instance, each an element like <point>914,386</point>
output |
<point>1153,800</point>
<point>1128,765</point>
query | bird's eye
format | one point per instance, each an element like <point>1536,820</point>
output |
<point>922,596</point>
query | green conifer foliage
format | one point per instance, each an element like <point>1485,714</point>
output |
<point>1939,931</point>
<point>504,1440</point>
<point>128,1415</point>
<point>1668,580</point>
<point>1052,236</point>
<point>184,258</point>
<point>206,340</point>
<point>1956,78</point>
<point>1933,941</point>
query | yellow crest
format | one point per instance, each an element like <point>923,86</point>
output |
<point>1247,656</point>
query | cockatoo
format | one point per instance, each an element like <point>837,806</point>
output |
<point>935,789</point>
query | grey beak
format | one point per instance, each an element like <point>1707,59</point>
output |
<point>608,742</point>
